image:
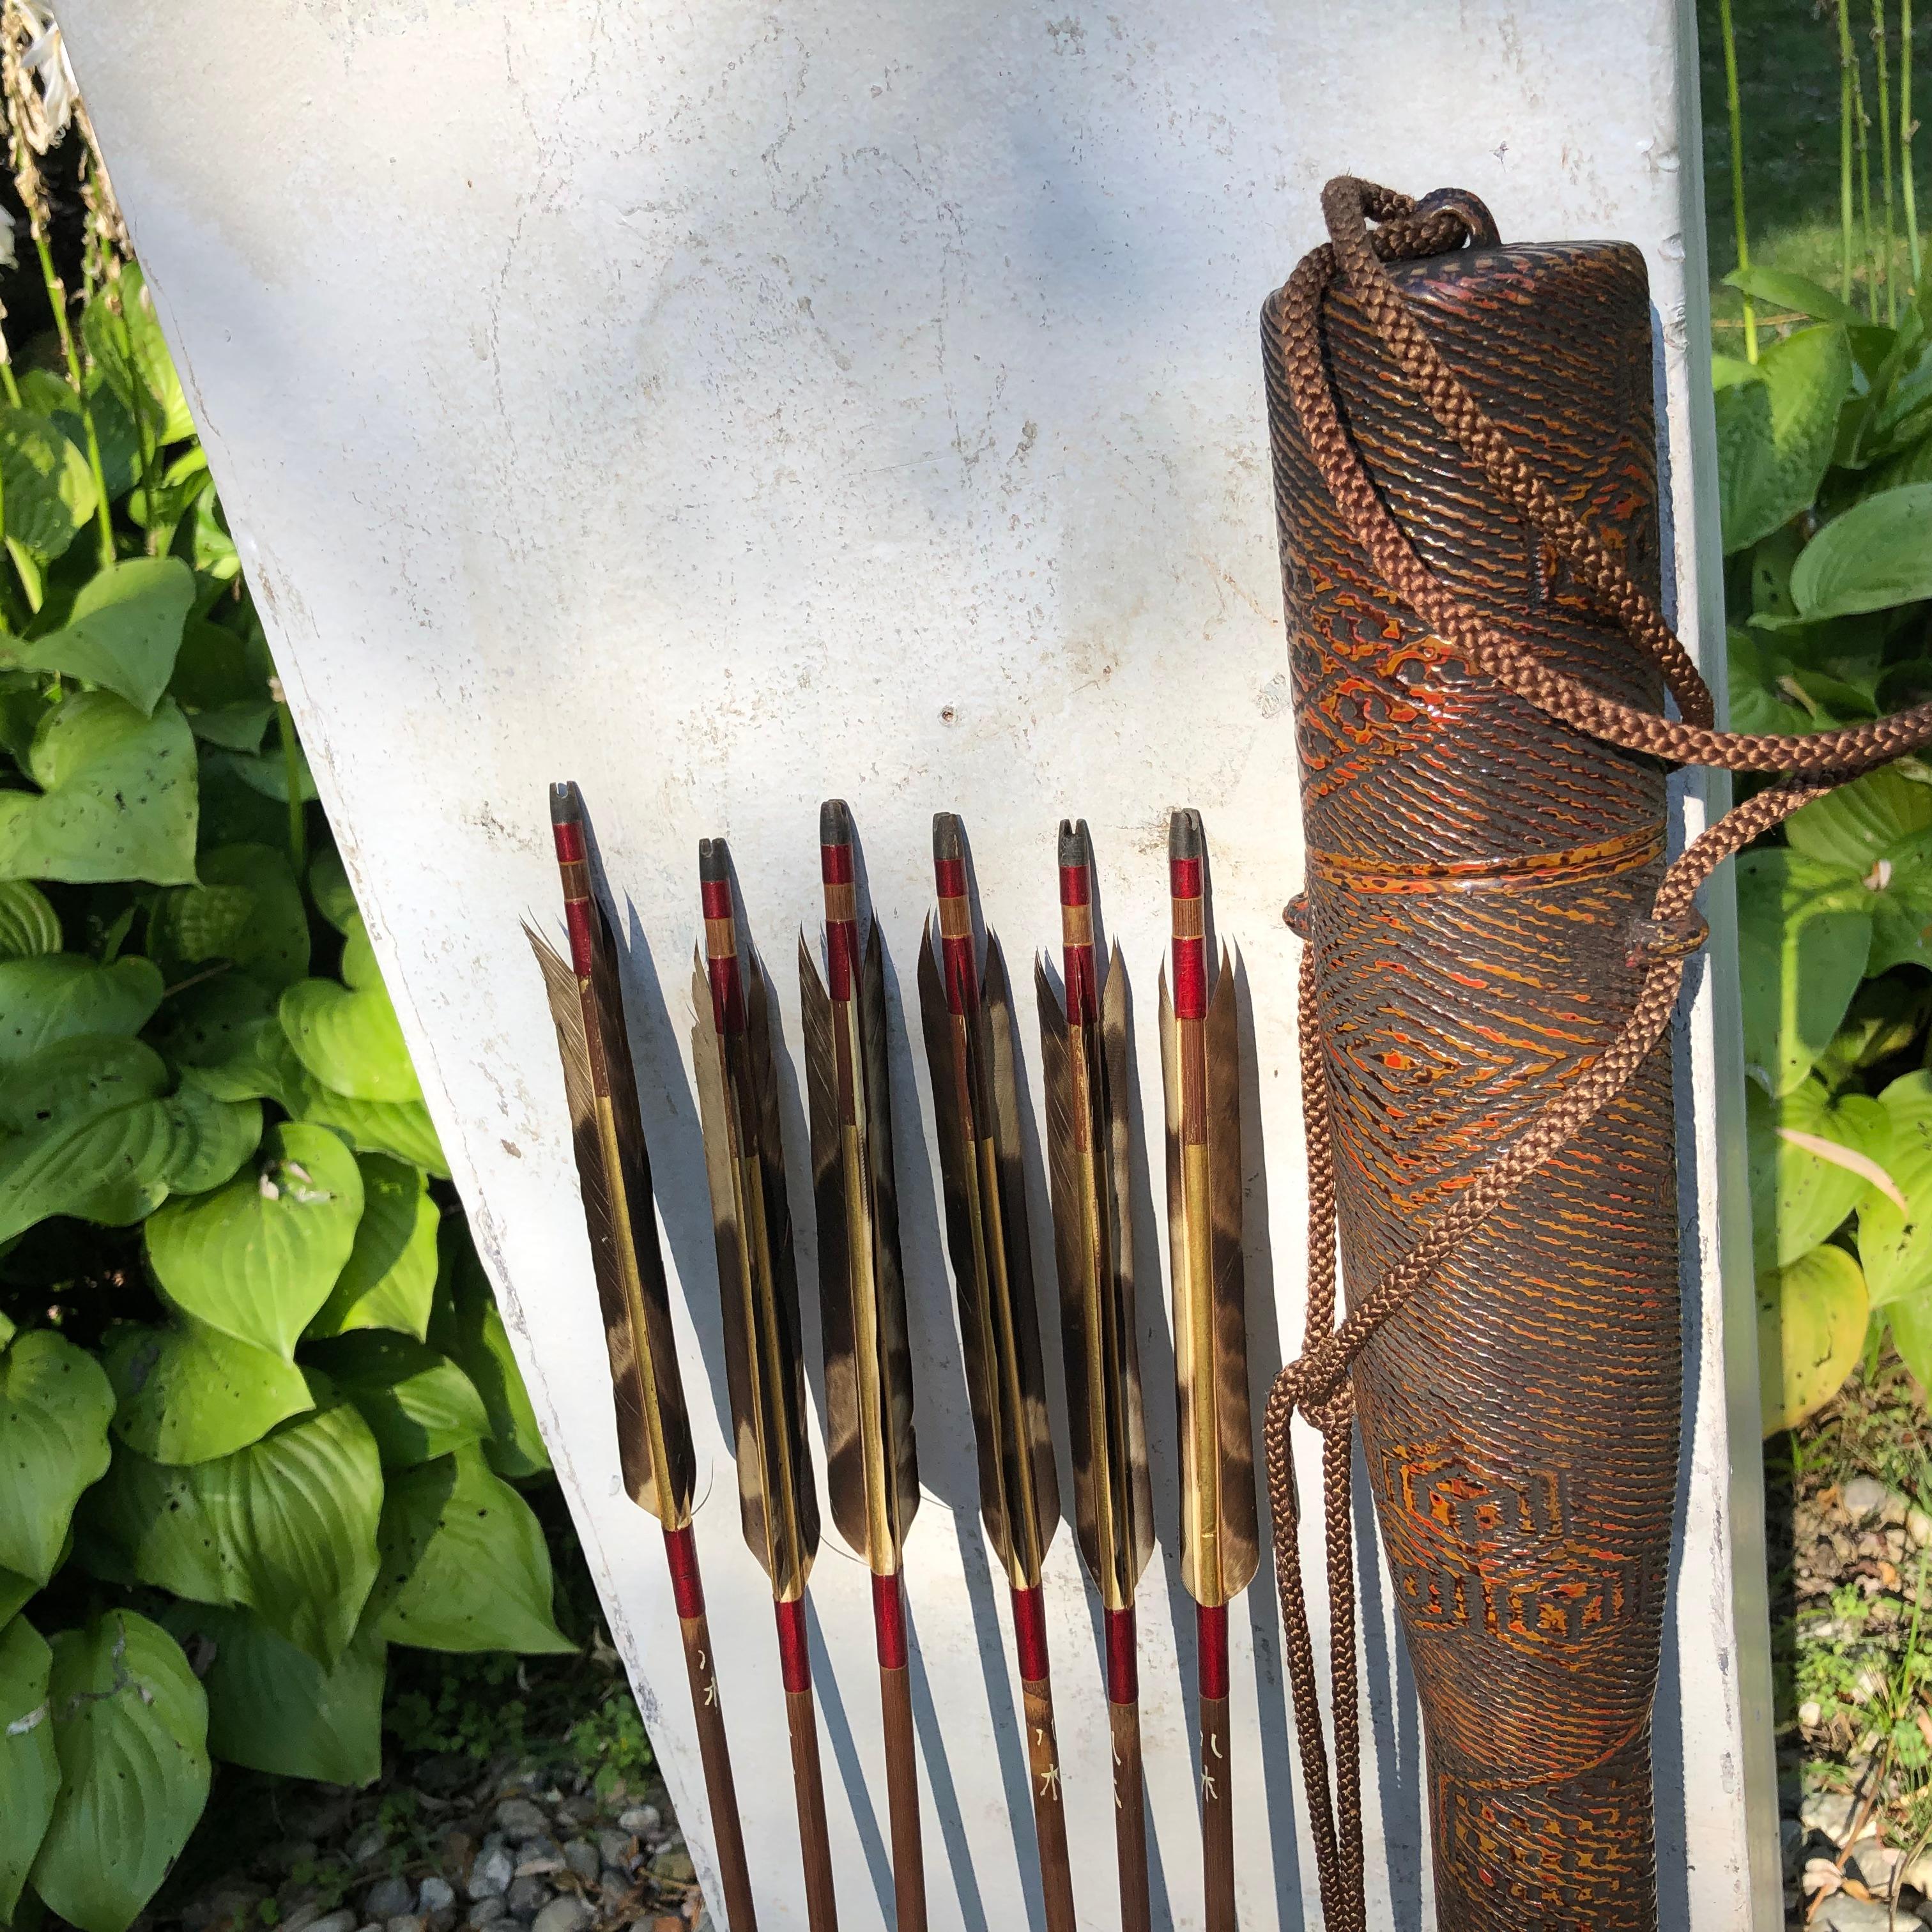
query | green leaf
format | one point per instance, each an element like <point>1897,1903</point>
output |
<point>48,488</point>
<point>1794,292</point>
<point>403,1128</point>
<point>123,631</point>
<point>217,686</point>
<point>267,773</point>
<point>46,394</point>
<point>214,1024</point>
<point>258,1258</point>
<point>211,1138</point>
<point>1775,435</point>
<point>1857,824</point>
<point>466,1561</point>
<point>328,885</point>
<point>418,1404</point>
<point>55,1406</point>
<point>286,1526</point>
<point>61,995</point>
<point>29,1773</point>
<point>29,926</point>
<point>76,1078</point>
<point>130,1730</point>
<point>126,343</point>
<point>1811,1319</point>
<point>274,1709</point>
<point>389,1280</point>
<point>467,1326</point>
<point>15,1590</point>
<point>349,1041</point>
<point>1801,953</point>
<point>247,909</point>
<point>118,798</point>
<point>1896,1246</point>
<point>188,1394</point>
<point>1812,1158</point>
<point>73,1166</point>
<point>1877,555</point>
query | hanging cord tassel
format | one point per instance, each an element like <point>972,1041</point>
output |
<point>1317,1382</point>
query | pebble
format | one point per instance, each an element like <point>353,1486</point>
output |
<point>1919,1873</point>
<point>391,1898</point>
<point>577,1811</point>
<point>366,1841</point>
<point>563,1914</point>
<point>615,1848</point>
<point>406,1921</point>
<point>305,1917</point>
<point>490,1876</point>
<point>1917,1528</point>
<point>581,1856</point>
<point>1872,1862</point>
<point>437,1894</point>
<point>1829,1812</point>
<point>488,1910</point>
<point>1842,1912</point>
<point>518,1818</point>
<point>527,1898</point>
<point>1864,1496</point>
<point>537,1858</point>
<point>673,1866</point>
<point>343,1920</point>
<point>641,1821</point>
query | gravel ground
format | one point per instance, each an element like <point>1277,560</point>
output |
<point>1849,1514</point>
<point>439,1848</point>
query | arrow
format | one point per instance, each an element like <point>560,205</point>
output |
<point>872,1474</point>
<point>968,1020</point>
<point>613,1169</point>
<point>744,1157</point>
<point>1200,1058</point>
<point>1084,1055</point>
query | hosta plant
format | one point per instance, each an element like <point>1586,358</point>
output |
<point>259,1419</point>
<point>1825,446</point>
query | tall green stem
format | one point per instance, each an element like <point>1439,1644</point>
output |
<point>1844,153</point>
<point>1730,40</point>
<point>57,302</point>
<point>1906,129</point>
<point>1885,158</point>
<point>1864,125</point>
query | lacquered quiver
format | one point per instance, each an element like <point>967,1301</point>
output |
<point>1473,871</point>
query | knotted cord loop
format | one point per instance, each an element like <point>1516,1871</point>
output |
<point>1317,1383</point>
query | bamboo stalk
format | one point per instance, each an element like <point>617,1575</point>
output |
<point>1729,34</point>
<point>1907,127</point>
<point>1885,155</point>
<point>1845,139</point>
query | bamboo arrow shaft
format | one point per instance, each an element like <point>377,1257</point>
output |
<point>752,1223</point>
<point>654,1435</point>
<point>873,1476</point>
<point>1123,1724</point>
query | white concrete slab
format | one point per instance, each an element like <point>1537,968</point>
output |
<point>727,406</point>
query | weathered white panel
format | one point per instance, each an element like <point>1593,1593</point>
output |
<point>727,406</point>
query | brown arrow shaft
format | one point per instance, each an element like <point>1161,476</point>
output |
<point>821,1906</point>
<point>714,1748</point>
<point>1217,1807</point>
<point>901,1754</point>
<point>1123,1723</point>
<point>1049,1808</point>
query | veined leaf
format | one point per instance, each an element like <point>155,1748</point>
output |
<point>258,1258</point>
<point>389,1280</point>
<point>129,1728</point>
<point>123,631</point>
<point>1896,1247</point>
<point>28,925</point>
<point>1775,435</point>
<point>403,1129</point>
<point>418,1405</point>
<point>286,1526</point>
<point>328,885</point>
<point>1811,1321</point>
<point>247,909</point>
<point>217,687</point>
<point>1796,292</point>
<point>127,347</point>
<point>1875,556</point>
<point>466,1562</point>
<point>48,487</point>
<point>347,1036</point>
<point>1859,823</point>
<point>188,1393</point>
<point>55,1406</point>
<point>60,995</point>
<point>1804,934</point>
<point>274,1709</point>
<point>29,1772</point>
<point>71,1166</point>
<point>117,797</point>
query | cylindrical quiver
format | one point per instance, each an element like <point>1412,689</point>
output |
<point>1474,869</point>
